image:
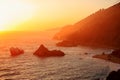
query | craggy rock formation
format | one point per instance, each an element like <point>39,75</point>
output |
<point>44,52</point>
<point>101,29</point>
<point>114,75</point>
<point>16,51</point>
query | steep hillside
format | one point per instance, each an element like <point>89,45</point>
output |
<point>99,29</point>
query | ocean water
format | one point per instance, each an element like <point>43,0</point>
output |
<point>75,65</point>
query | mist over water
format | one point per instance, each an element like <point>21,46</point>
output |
<point>75,65</point>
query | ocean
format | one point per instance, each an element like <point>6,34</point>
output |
<point>75,65</point>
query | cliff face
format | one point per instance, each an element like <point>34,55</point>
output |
<point>99,29</point>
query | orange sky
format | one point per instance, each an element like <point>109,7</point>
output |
<point>44,14</point>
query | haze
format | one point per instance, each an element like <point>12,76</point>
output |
<point>37,15</point>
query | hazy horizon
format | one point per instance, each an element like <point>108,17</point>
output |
<point>38,15</point>
<point>59,39</point>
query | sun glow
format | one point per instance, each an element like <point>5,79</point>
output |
<point>2,28</point>
<point>13,12</point>
<point>27,15</point>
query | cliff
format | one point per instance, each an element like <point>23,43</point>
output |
<point>99,29</point>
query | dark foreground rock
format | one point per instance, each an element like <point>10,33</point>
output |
<point>16,51</point>
<point>44,52</point>
<point>114,75</point>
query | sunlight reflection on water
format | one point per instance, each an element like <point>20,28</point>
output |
<point>75,65</point>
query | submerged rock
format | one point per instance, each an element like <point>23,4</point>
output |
<point>42,51</point>
<point>16,51</point>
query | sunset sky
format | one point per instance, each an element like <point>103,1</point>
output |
<point>45,14</point>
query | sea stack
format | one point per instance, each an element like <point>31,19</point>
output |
<point>42,51</point>
<point>16,51</point>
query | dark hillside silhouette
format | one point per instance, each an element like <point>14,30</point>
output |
<point>99,29</point>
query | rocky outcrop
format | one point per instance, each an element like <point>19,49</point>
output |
<point>114,75</point>
<point>16,51</point>
<point>42,51</point>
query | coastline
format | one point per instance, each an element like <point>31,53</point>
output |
<point>108,57</point>
<point>92,45</point>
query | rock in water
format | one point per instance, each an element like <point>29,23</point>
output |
<point>16,51</point>
<point>114,75</point>
<point>41,51</point>
<point>44,52</point>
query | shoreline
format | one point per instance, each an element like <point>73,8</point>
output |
<point>72,44</point>
<point>108,57</point>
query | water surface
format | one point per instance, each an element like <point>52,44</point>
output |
<point>75,65</point>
